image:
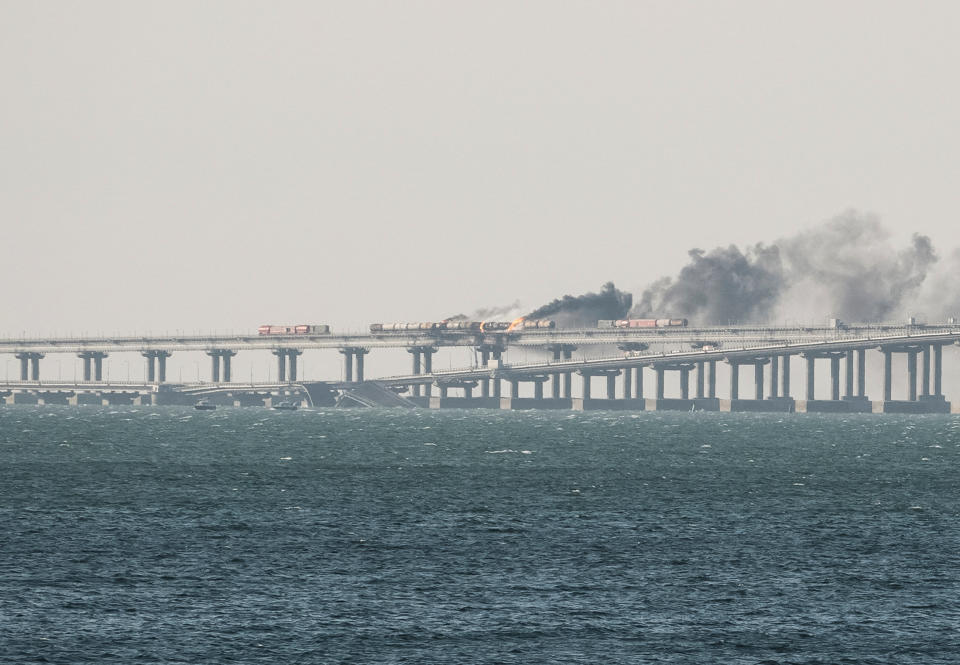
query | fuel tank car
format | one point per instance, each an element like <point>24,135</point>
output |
<point>469,326</point>
<point>404,327</point>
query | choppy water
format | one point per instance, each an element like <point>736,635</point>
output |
<point>250,536</point>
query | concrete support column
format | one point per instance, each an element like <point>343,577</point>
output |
<point>428,369</point>
<point>555,380</point>
<point>887,375</point>
<point>484,383</point>
<point>734,380</point>
<point>700,379</point>
<point>912,375</point>
<point>811,377</point>
<point>151,359</point>
<point>514,388</point>
<point>359,353</point>
<point>848,373</point>
<point>684,383</point>
<point>586,386</point>
<point>834,378</point>
<point>611,386</point>
<point>712,385</point>
<point>468,392</point>
<point>638,383</point>
<point>281,355</point>
<point>443,391</point>
<point>87,362</point>
<point>785,376</point>
<point>568,376</point>
<point>938,370</point>
<point>292,358</point>
<point>35,366</point>
<point>214,368</point>
<point>162,365</point>
<point>925,375</point>
<point>538,390</point>
<point>774,377</point>
<point>861,372</point>
<point>415,353</point>
<point>348,364</point>
<point>24,367</point>
<point>627,382</point>
<point>661,388</point>
<point>98,366</point>
<point>758,381</point>
<point>497,388</point>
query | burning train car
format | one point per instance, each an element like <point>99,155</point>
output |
<point>301,329</point>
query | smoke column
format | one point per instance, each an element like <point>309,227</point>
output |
<point>586,309</point>
<point>846,268</point>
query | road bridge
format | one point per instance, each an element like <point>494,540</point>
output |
<point>614,356</point>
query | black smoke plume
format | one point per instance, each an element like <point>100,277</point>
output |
<point>587,309</point>
<point>724,285</point>
<point>846,268</point>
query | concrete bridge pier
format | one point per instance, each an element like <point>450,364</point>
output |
<point>415,354</point>
<point>219,358</point>
<point>156,365</point>
<point>834,404</point>
<point>855,373</point>
<point>684,403</point>
<point>29,365</point>
<point>925,402</point>
<point>353,357</point>
<point>587,402</point>
<point>286,364</point>
<point>92,364</point>
<point>772,402</point>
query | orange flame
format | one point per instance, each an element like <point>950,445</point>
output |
<point>515,323</point>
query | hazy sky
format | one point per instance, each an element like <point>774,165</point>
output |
<point>218,165</point>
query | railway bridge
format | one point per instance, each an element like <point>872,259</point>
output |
<point>641,369</point>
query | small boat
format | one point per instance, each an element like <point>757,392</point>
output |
<point>204,405</point>
<point>284,406</point>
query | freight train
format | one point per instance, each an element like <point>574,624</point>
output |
<point>464,326</point>
<point>301,329</point>
<point>642,323</point>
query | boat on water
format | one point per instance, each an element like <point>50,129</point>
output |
<point>204,405</point>
<point>284,406</point>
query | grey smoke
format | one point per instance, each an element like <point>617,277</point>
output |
<point>495,313</point>
<point>725,285</point>
<point>846,268</point>
<point>586,309</point>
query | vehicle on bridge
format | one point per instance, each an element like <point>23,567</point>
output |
<point>301,329</point>
<point>642,323</point>
<point>459,325</point>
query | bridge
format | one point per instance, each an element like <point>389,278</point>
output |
<point>619,357</point>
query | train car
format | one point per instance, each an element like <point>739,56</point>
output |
<point>300,329</point>
<point>644,323</point>
<point>468,326</point>
<point>494,326</point>
<point>537,324</point>
<point>404,327</point>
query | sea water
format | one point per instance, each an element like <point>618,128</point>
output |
<point>166,535</point>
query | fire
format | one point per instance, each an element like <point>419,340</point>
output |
<point>515,323</point>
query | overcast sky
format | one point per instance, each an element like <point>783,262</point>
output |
<point>218,165</point>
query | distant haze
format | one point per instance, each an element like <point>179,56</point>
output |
<point>219,165</point>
